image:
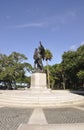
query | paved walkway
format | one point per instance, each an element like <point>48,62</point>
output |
<point>58,118</point>
<point>53,127</point>
<point>18,113</point>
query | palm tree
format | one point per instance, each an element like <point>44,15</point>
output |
<point>48,56</point>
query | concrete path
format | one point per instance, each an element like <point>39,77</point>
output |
<point>59,118</point>
<point>37,117</point>
<point>52,127</point>
<point>41,117</point>
<point>38,121</point>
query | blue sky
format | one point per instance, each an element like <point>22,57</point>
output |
<point>58,24</point>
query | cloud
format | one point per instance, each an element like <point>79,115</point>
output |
<point>62,17</point>
<point>55,28</point>
<point>82,43</point>
<point>53,21</point>
<point>8,17</point>
<point>73,47</point>
<point>57,20</point>
<point>66,17</point>
<point>26,25</point>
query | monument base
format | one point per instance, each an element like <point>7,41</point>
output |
<point>38,81</point>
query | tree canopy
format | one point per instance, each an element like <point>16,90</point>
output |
<point>13,67</point>
<point>69,74</point>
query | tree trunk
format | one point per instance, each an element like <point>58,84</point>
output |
<point>48,74</point>
<point>83,85</point>
<point>64,81</point>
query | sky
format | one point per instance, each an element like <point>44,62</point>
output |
<point>58,24</point>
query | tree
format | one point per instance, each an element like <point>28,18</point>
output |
<point>69,63</point>
<point>80,75</point>
<point>61,74</point>
<point>48,56</point>
<point>73,63</point>
<point>80,57</point>
<point>13,67</point>
<point>51,75</point>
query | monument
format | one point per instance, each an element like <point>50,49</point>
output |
<point>39,55</point>
<point>38,78</point>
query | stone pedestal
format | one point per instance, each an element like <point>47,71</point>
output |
<point>38,81</point>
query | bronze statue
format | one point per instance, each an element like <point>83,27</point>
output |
<point>38,57</point>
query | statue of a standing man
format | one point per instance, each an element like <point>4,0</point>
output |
<point>39,55</point>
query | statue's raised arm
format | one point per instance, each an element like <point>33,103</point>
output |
<point>42,50</point>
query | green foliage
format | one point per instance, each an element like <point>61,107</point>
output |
<point>73,64</point>
<point>48,55</point>
<point>69,74</point>
<point>80,75</point>
<point>13,67</point>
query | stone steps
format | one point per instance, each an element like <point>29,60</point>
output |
<point>28,98</point>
